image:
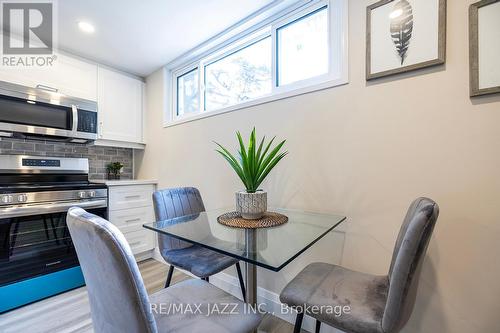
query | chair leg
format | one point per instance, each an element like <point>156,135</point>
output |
<point>318,326</point>
<point>298,322</point>
<point>169,276</point>
<point>242,285</point>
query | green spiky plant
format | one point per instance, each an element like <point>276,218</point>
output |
<point>254,163</point>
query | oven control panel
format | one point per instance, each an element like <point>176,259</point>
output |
<point>41,162</point>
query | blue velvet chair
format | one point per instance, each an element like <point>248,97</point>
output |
<point>378,304</point>
<point>201,262</point>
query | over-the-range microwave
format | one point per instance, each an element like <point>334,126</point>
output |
<point>37,113</point>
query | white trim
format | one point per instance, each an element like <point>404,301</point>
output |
<point>203,55</point>
<point>255,102</point>
<point>119,144</point>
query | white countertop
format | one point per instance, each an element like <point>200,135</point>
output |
<point>123,182</point>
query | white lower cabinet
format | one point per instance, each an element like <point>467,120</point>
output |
<point>140,241</point>
<point>131,206</point>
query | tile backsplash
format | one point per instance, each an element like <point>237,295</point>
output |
<point>98,156</point>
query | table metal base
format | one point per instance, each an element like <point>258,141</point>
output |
<point>251,283</point>
<point>251,269</point>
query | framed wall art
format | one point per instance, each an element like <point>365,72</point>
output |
<point>404,35</point>
<point>484,48</point>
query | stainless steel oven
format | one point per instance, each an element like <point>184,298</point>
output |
<point>37,257</point>
<point>41,114</point>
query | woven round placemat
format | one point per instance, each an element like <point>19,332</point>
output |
<point>234,219</point>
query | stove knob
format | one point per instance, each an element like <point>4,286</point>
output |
<point>82,195</point>
<point>6,199</point>
<point>22,198</point>
<point>91,194</point>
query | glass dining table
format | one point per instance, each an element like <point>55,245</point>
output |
<point>270,248</point>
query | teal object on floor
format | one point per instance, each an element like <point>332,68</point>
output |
<point>28,291</point>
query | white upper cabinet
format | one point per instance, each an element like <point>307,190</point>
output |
<point>119,96</point>
<point>120,100</point>
<point>68,76</point>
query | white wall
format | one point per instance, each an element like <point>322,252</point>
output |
<point>367,150</point>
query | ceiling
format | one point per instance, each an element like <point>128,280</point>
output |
<point>141,36</point>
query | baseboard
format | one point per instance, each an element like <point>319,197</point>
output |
<point>144,255</point>
<point>271,301</point>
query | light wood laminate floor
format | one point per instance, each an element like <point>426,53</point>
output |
<point>70,312</point>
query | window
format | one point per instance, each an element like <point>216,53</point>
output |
<point>293,50</point>
<point>188,93</point>
<point>241,76</point>
<point>303,48</point>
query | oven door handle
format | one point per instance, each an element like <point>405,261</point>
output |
<point>42,209</point>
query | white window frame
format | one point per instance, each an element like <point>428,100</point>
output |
<point>180,73</point>
<point>337,74</point>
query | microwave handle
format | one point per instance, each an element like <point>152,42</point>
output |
<point>74,127</point>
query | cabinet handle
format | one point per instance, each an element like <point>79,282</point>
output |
<point>100,129</point>
<point>132,196</point>
<point>135,243</point>
<point>133,220</point>
<point>47,88</point>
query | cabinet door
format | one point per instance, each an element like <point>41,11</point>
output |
<point>120,106</point>
<point>131,196</point>
<point>69,76</point>
<point>74,77</point>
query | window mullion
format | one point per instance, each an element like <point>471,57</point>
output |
<point>174,97</point>
<point>201,86</point>
<point>274,56</point>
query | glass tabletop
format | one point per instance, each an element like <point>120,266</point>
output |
<point>271,248</point>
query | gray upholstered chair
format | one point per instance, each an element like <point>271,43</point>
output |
<point>201,262</point>
<point>378,304</point>
<point>119,302</point>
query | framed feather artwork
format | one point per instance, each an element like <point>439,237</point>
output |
<point>404,35</point>
<point>484,40</point>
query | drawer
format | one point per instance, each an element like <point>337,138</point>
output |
<point>141,240</point>
<point>134,196</point>
<point>132,219</point>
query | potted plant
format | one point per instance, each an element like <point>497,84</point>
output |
<point>114,170</point>
<point>252,167</point>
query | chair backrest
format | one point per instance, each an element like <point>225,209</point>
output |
<point>409,252</point>
<point>118,299</point>
<point>175,202</point>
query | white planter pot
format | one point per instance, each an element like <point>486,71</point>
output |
<point>251,206</point>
